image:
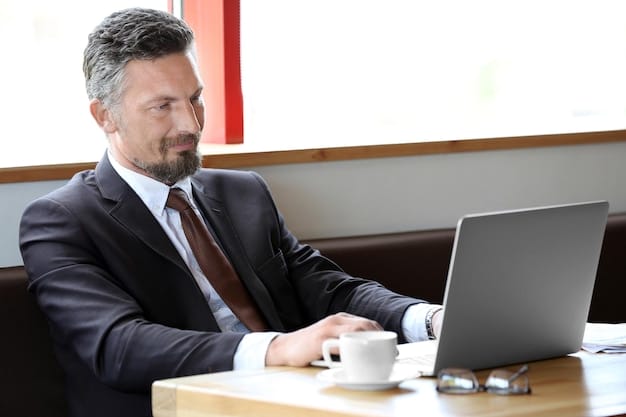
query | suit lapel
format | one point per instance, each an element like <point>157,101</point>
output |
<point>221,226</point>
<point>132,213</point>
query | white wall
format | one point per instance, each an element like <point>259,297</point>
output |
<point>343,198</point>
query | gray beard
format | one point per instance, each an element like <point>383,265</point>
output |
<point>169,173</point>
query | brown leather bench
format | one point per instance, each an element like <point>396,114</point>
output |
<point>32,380</point>
<point>412,263</point>
<point>409,263</point>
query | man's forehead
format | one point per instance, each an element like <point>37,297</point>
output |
<point>168,75</point>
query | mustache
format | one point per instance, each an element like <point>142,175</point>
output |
<point>182,139</point>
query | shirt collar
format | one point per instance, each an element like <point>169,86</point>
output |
<point>152,192</point>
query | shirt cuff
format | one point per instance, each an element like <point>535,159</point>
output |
<point>250,353</point>
<point>414,322</point>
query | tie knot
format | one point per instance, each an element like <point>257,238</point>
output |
<point>177,199</point>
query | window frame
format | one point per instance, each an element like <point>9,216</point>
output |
<point>236,156</point>
<point>216,28</point>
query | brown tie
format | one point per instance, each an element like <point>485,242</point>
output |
<point>214,264</point>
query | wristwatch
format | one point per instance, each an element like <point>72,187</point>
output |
<point>429,322</point>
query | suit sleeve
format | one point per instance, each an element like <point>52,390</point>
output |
<point>323,288</point>
<point>93,318</point>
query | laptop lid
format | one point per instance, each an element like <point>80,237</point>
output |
<point>519,285</point>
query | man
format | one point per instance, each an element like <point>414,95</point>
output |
<point>115,273</point>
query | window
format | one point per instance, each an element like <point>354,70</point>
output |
<point>44,104</point>
<point>326,73</point>
<point>351,72</point>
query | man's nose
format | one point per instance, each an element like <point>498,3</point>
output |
<point>189,120</point>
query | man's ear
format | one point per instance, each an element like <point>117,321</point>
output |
<point>102,116</point>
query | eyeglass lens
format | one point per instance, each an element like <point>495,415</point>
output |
<point>464,381</point>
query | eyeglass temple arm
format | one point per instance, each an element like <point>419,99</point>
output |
<point>521,371</point>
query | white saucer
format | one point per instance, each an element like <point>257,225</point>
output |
<point>400,373</point>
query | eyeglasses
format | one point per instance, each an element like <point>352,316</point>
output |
<point>500,381</point>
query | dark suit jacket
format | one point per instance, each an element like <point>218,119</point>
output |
<point>123,308</point>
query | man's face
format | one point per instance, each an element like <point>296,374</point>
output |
<point>160,117</point>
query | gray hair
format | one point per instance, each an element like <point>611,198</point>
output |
<point>126,35</point>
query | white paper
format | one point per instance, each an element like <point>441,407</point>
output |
<point>605,337</point>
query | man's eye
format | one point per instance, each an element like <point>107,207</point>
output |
<point>163,106</point>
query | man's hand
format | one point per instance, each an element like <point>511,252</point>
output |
<point>301,347</point>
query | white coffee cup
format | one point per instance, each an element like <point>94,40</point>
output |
<point>366,356</point>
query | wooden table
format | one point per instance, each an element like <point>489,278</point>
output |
<point>581,384</point>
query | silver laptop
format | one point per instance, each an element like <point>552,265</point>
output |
<point>519,288</point>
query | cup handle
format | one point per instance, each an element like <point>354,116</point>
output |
<point>326,347</point>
